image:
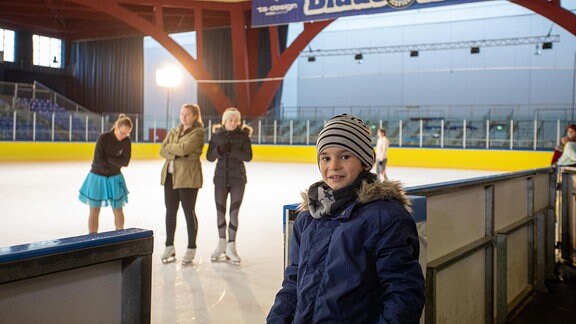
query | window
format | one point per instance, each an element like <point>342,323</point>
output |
<point>47,51</point>
<point>7,45</point>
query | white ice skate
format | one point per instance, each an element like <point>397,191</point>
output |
<point>169,254</point>
<point>188,256</point>
<point>231,254</point>
<point>220,249</point>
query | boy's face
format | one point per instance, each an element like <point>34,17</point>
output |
<point>338,167</point>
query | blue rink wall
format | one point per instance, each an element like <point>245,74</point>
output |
<point>472,159</point>
<point>72,280</point>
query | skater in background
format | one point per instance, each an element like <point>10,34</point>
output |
<point>353,255</point>
<point>382,145</point>
<point>105,184</point>
<point>230,145</point>
<point>568,157</point>
<point>558,149</point>
<point>182,177</point>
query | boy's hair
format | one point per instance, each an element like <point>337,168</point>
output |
<point>350,133</point>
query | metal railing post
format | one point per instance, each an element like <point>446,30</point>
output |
<point>421,132</point>
<point>464,129</point>
<point>154,131</point>
<point>307,132</point>
<point>536,135</point>
<point>487,134</point>
<point>259,131</point>
<point>53,126</point>
<point>442,133</point>
<point>291,131</point>
<point>14,126</point>
<point>136,129</point>
<point>275,131</point>
<point>511,133</point>
<point>33,126</point>
<point>400,133</point>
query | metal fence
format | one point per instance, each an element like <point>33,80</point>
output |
<point>27,125</point>
<point>32,112</point>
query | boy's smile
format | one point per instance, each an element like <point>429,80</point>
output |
<point>339,167</point>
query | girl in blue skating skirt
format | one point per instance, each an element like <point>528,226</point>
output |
<point>105,183</point>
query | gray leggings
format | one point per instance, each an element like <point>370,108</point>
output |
<point>380,168</point>
<point>221,196</point>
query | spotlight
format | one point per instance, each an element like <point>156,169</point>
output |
<point>474,50</point>
<point>414,53</point>
<point>312,58</point>
<point>358,57</point>
<point>547,45</point>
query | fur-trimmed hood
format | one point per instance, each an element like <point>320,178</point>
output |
<point>386,190</point>
<point>243,128</point>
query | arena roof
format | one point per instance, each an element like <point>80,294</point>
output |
<point>88,20</point>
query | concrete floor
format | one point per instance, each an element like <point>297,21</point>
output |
<point>38,201</point>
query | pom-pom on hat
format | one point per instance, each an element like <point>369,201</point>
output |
<point>229,113</point>
<point>350,133</point>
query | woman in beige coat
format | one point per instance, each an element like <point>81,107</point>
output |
<point>182,177</point>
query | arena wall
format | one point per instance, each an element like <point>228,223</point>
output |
<point>498,160</point>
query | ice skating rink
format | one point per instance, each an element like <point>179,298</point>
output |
<point>38,201</point>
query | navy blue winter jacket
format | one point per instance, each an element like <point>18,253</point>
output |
<point>359,266</point>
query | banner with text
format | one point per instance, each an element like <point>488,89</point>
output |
<point>282,12</point>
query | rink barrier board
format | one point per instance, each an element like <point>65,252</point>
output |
<point>88,273</point>
<point>477,239</point>
<point>471,159</point>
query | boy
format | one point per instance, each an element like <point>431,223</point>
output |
<point>354,250</point>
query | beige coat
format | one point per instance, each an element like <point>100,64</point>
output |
<point>185,151</point>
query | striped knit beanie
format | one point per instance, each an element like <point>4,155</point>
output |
<point>350,133</point>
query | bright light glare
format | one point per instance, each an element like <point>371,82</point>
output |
<point>168,77</point>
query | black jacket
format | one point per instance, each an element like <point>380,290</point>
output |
<point>232,149</point>
<point>110,154</point>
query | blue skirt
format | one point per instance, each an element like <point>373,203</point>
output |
<point>101,191</point>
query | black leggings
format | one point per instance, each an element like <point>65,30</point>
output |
<point>221,195</point>
<point>172,198</point>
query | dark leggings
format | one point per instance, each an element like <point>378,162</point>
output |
<point>172,198</point>
<point>221,195</point>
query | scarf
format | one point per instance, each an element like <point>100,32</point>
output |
<point>323,201</point>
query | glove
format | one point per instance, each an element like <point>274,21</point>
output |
<point>225,148</point>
